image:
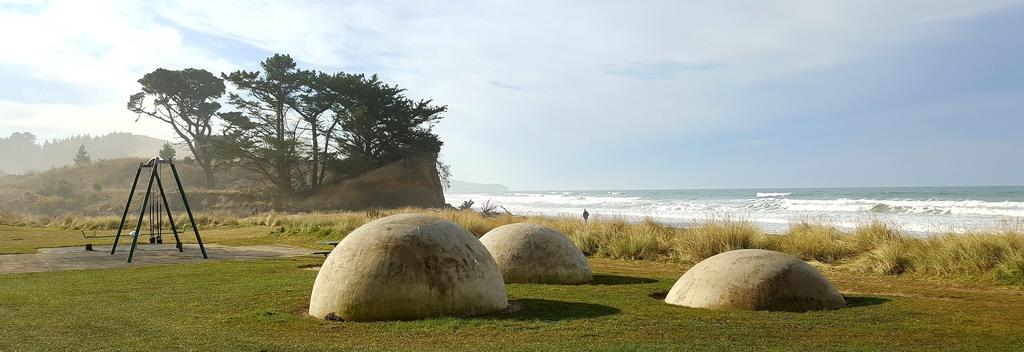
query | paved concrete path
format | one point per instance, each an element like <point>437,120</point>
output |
<point>71,258</point>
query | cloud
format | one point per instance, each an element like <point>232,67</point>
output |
<point>582,78</point>
<point>501,84</point>
<point>659,69</point>
<point>82,60</point>
<point>53,120</point>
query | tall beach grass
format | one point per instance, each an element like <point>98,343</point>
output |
<point>875,247</point>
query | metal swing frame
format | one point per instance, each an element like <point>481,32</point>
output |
<point>154,166</point>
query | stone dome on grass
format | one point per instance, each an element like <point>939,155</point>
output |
<point>407,266</point>
<point>532,253</point>
<point>755,279</point>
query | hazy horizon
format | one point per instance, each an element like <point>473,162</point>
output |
<point>587,95</point>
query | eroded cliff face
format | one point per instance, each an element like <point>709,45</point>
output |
<point>410,182</point>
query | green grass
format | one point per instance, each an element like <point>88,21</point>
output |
<point>259,305</point>
<point>16,239</point>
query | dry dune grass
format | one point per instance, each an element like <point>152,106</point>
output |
<point>816,241</point>
<point>875,247</point>
<point>718,235</point>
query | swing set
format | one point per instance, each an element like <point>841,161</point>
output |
<point>155,208</point>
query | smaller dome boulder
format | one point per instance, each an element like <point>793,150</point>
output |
<point>407,266</point>
<point>755,279</point>
<point>533,253</point>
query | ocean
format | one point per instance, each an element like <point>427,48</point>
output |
<point>915,210</point>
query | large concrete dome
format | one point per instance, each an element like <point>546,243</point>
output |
<point>532,253</point>
<point>755,279</point>
<point>407,266</point>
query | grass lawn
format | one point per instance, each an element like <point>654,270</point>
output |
<point>259,305</point>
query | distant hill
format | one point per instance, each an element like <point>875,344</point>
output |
<point>21,152</point>
<point>469,187</point>
<point>100,188</point>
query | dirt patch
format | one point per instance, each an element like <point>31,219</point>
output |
<point>76,258</point>
<point>310,267</point>
<point>300,311</point>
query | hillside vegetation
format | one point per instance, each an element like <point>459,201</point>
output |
<point>101,188</point>
<point>22,152</point>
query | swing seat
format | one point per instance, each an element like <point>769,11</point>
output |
<point>94,235</point>
<point>326,243</point>
<point>88,239</point>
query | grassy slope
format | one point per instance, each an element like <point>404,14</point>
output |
<point>101,188</point>
<point>216,305</point>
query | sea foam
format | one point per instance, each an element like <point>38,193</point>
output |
<point>772,194</point>
<point>774,210</point>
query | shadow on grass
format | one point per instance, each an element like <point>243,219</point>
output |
<point>659,295</point>
<point>533,309</point>
<point>851,301</point>
<point>619,280</point>
<point>863,301</point>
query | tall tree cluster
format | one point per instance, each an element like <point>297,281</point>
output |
<point>187,101</point>
<point>299,129</point>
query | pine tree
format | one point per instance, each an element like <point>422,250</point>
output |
<point>82,157</point>
<point>168,152</point>
<point>188,101</point>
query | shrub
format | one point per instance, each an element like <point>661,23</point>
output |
<point>875,234</point>
<point>319,226</point>
<point>643,243</point>
<point>715,236</point>
<point>815,241</point>
<point>959,254</point>
<point>585,236</point>
<point>890,258</point>
<point>477,223</point>
<point>1011,269</point>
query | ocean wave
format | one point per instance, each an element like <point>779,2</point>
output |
<point>564,199</point>
<point>773,194</point>
<point>763,203</point>
<point>771,212</point>
<point>934,207</point>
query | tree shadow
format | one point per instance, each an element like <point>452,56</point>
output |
<point>864,301</point>
<point>534,309</point>
<point>619,280</point>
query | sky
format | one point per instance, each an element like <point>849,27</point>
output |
<point>586,94</point>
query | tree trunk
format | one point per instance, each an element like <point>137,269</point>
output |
<point>208,173</point>
<point>284,168</point>
<point>314,181</point>
<point>323,157</point>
